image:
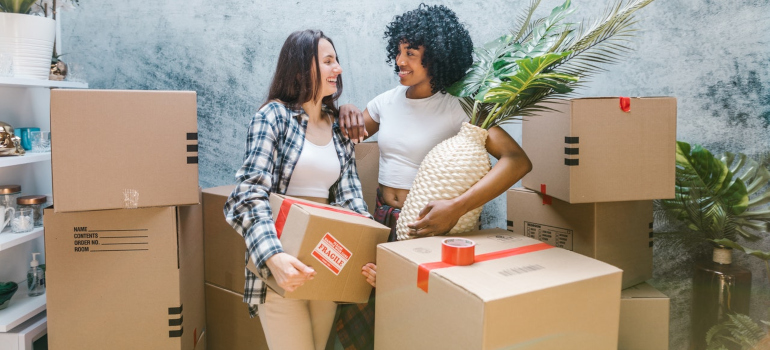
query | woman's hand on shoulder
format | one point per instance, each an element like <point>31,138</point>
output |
<point>289,272</point>
<point>352,123</point>
<point>370,272</point>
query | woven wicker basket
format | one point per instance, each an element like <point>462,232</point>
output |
<point>450,169</point>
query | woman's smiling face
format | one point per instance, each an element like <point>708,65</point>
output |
<point>411,72</point>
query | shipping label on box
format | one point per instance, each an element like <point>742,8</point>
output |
<point>618,233</point>
<point>519,293</point>
<point>140,149</point>
<point>589,150</point>
<point>137,269</point>
<point>644,318</point>
<point>330,240</point>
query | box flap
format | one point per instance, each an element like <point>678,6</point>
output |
<point>642,291</point>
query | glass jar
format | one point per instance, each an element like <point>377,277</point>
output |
<point>36,203</point>
<point>8,195</point>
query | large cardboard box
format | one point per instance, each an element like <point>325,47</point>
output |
<point>333,242</point>
<point>618,233</point>
<point>368,166</point>
<point>123,149</point>
<point>543,299</point>
<point>643,319</point>
<point>125,279</point>
<point>589,150</point>
<point>223,248</point>
<point>229,326</point>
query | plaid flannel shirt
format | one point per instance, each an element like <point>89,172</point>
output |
<point>273,146</point>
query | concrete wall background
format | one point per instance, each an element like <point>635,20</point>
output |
<point>712,55</point>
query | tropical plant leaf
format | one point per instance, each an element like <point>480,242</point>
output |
<point>531,78</point>
<point>603,42</point>
<point>16,6</point>
<point>730,244</point>
<point>708,196</point>
<point>737,329</point>
<point>525,19</point>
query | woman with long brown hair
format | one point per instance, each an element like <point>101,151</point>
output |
<point>294,147</point>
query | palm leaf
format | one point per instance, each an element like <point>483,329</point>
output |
<point>603,42</point>
<point>525,20</point>
<point>16,6</point>
<point>531,78</point>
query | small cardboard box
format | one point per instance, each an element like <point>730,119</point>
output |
<point>125,279</point>
<point>543,299</point>
<point>618,233</point>
<point>123,149</point>
<point>643,319</point>
<point>223,248</point>
<point>589,150</point>
<point>333,242</point>
<point>229,326</point>
<point>368,166</point>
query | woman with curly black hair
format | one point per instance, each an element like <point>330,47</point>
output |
<point>430,50</point>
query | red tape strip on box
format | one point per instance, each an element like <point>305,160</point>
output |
<point>283,213</point>
<point>625,104</point>
<point>423,271</point>
<point>546,198</point>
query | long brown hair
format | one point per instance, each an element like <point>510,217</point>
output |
<point>293,82</point>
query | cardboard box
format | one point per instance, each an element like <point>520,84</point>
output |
<point>546,299</point>
<point>229,326</point>
<point>333,243</point>
<point>589,150</point>
<point>368,166</point>
<point>618,233</point>
<point>125,279</point>
<point>123,149</point>
<point>223,248</point>
<point>644,315</point>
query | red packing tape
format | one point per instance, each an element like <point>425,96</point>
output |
<point>283,213</point>
<point>625,104</point>
<point>458,251</point>
<point>546,198</point>
<point>423,271</point>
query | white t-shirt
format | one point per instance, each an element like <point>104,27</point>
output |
<point>409,129</point>
<point>317,169</point>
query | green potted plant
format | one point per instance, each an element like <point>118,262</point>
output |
<point>511,77</point>
<point>27,34</point>
<point>722,201</point>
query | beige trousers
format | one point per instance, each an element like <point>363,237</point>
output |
<point>292,324</point>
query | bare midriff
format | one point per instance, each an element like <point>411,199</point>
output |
<point>394,197</point>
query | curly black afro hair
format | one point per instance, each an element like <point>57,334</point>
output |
<point>448,46</point>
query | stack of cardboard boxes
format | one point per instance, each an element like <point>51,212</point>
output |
<point>597,165</point>
<point>124,245</point>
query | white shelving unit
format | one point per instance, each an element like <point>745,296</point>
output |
<point>25,334</point>
<point>27,158</point>
<point>9,239</point>
<point>25,103</point>
<point>21,308</point>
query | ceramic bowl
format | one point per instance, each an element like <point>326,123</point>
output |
<point>7,290</point>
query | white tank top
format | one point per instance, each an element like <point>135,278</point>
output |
<point>317,169</point>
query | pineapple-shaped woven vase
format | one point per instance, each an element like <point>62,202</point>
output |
<point>449,169</point>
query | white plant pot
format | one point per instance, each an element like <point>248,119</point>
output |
<point>29,41</point>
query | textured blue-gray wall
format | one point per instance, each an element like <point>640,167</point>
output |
<point>712,55</point>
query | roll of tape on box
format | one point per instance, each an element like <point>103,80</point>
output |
<point>458,251</point>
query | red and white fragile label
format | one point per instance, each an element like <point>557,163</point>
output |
<point>332,253</point>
